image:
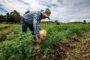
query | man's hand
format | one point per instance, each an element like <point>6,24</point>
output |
<point>40,29</point>
<point>38,39</point>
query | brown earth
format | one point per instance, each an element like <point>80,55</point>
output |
<point>71,51</point>
<point>6,28</point>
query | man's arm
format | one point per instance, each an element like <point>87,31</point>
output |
<point>36,28</point>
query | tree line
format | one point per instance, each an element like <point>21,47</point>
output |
<point>15,17</point>
<point>12,17</point>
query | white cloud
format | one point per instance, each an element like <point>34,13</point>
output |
<point>79,20</point>
<point>62,10</point>
<point>11,5</point>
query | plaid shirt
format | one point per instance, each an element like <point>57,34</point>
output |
<point>33,18</point>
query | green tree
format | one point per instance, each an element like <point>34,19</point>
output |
<point>84,22</point>
<point>57,23</point>
<point>2,18</point>
<point>15,17</point>
<point>8,17</point>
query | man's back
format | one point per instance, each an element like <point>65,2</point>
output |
<point>29,17</point>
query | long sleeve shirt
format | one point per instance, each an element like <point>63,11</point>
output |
<point>33,18</point>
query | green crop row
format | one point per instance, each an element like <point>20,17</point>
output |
<point>4,25</point>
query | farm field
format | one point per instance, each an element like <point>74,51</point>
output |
<point>4,26</point>
<point>66,41</point>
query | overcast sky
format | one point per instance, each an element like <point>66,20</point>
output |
<point>62,10</point>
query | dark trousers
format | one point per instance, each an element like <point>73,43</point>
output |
<point>25,25</point>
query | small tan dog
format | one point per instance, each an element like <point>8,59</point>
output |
<point>43,33</point>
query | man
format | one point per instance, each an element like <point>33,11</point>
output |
<point>32,21</point>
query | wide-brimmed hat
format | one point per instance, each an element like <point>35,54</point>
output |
<point>46,12</point>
